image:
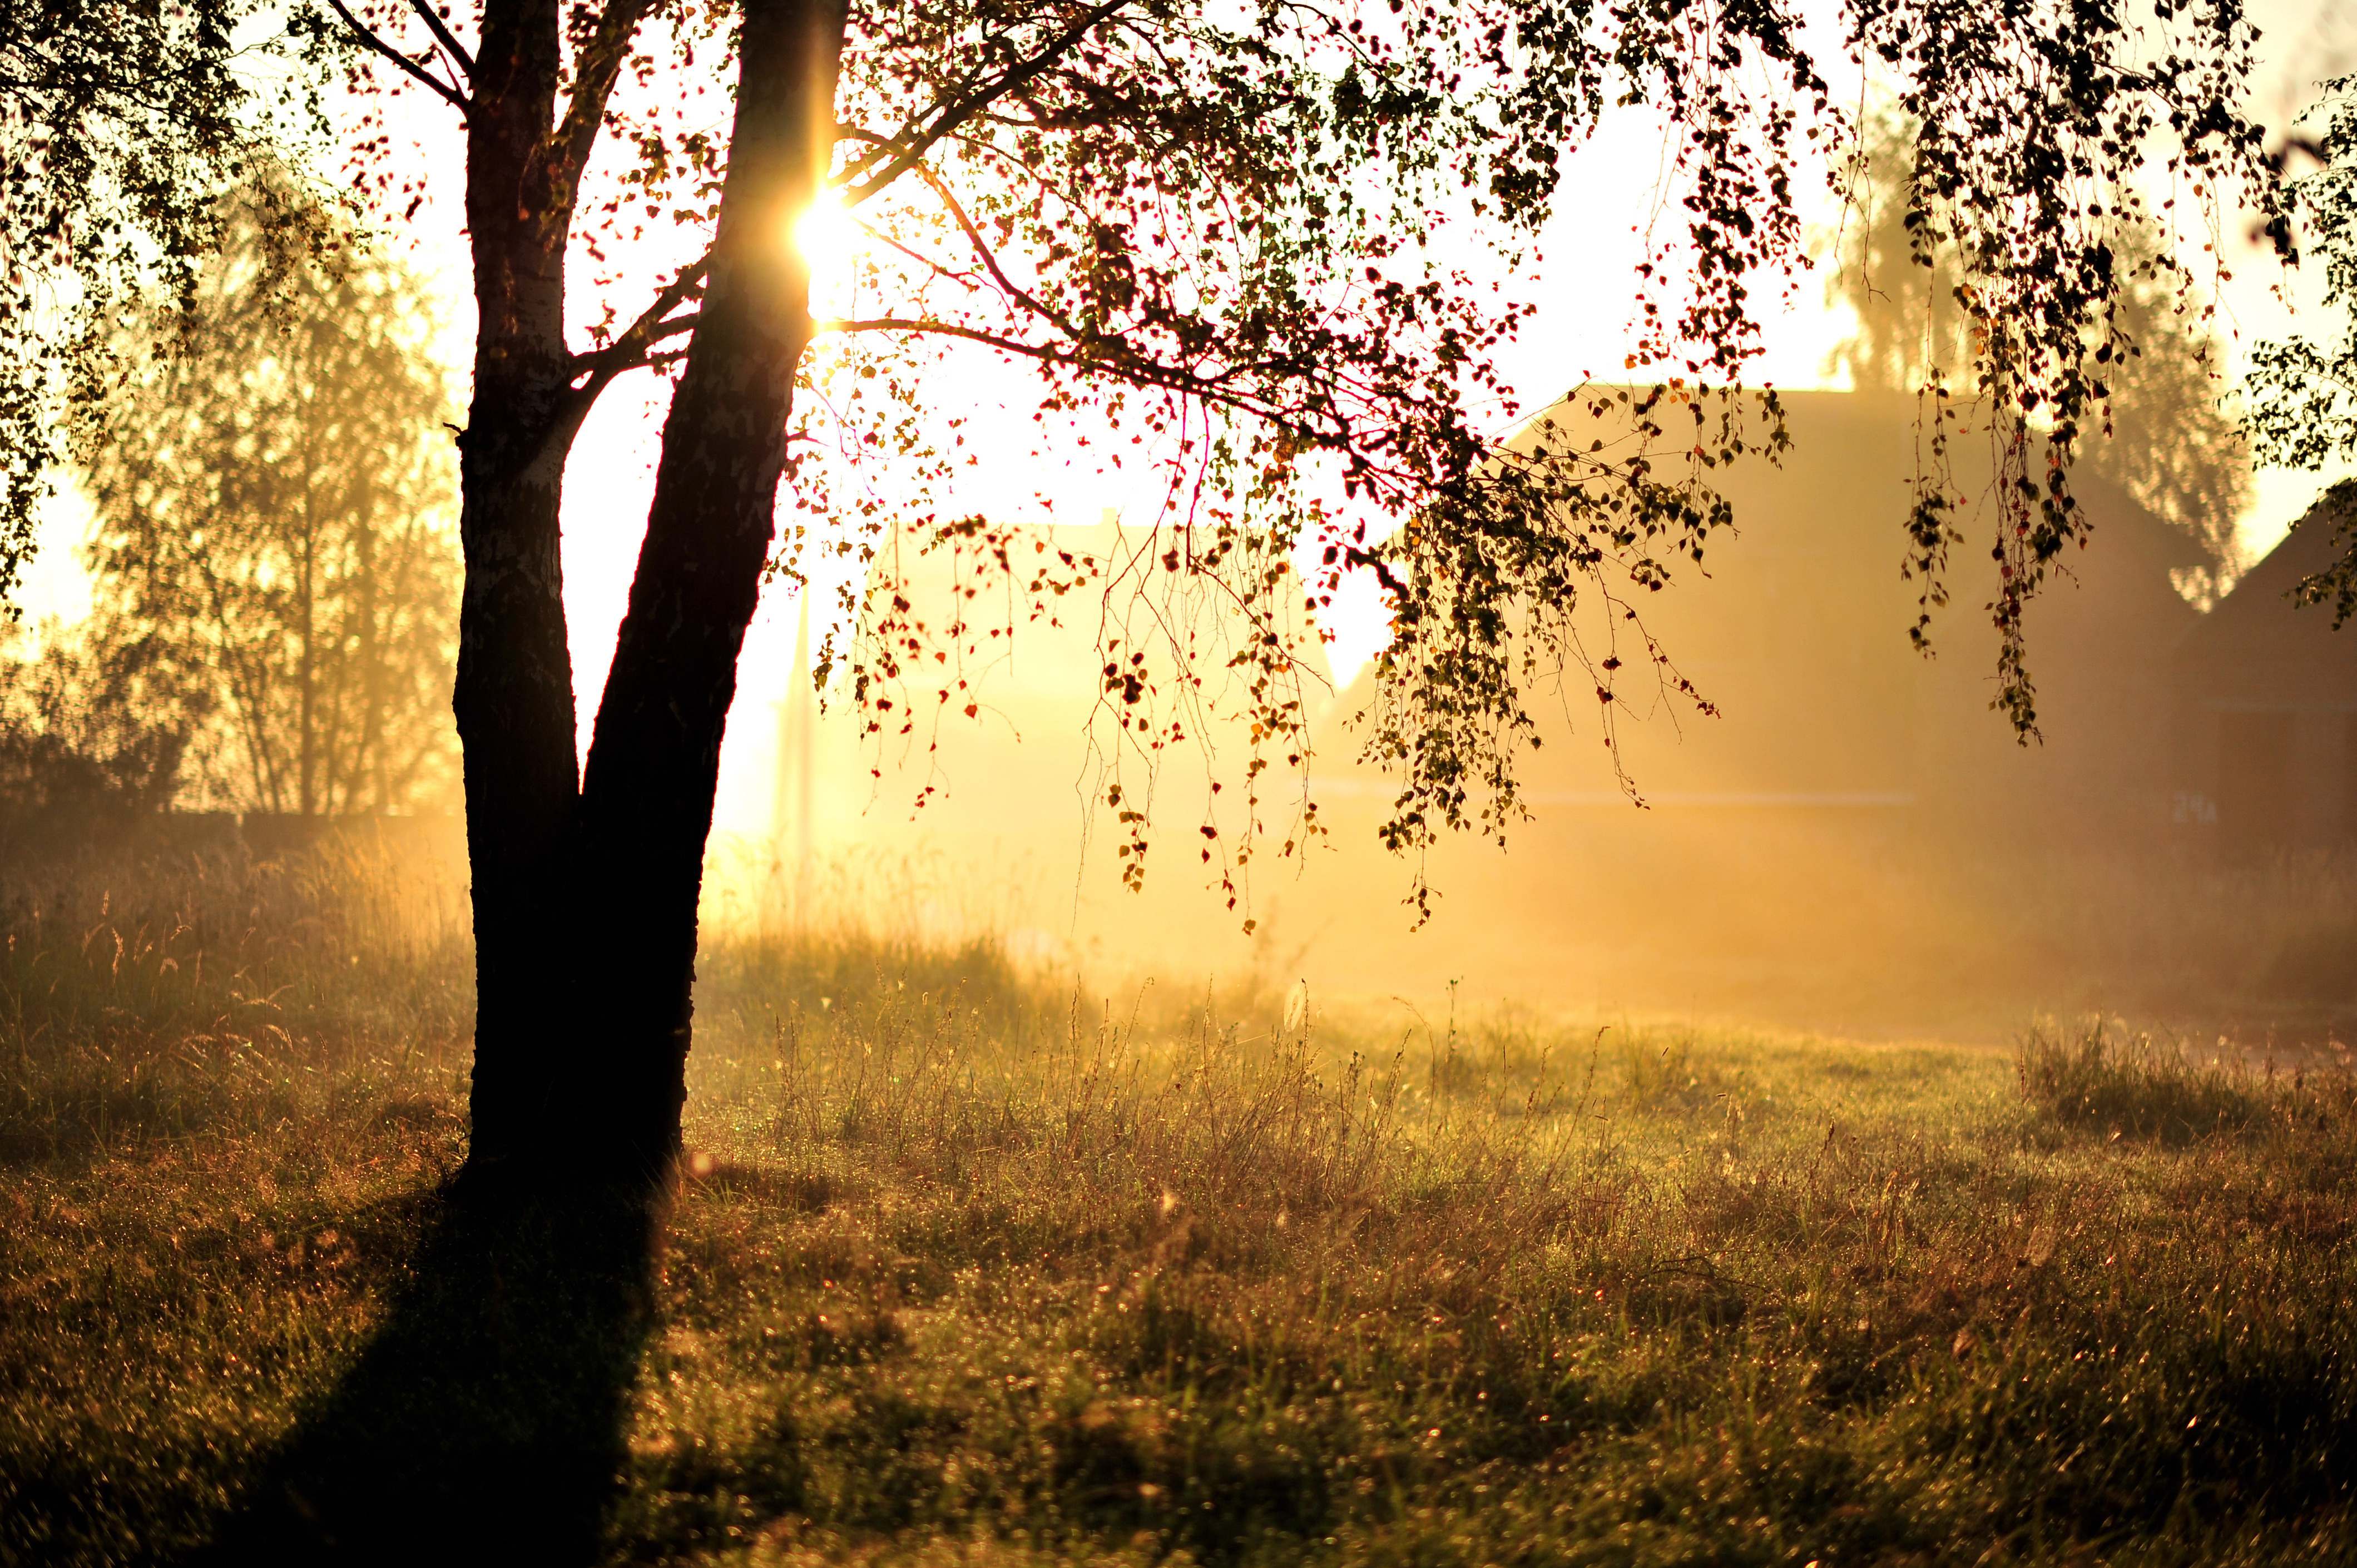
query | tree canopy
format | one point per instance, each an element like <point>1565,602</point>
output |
<point>1214,229</point>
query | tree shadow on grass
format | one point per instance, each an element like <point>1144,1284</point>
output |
<point>485,1421</point>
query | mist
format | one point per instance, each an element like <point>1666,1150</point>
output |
<point>1849,837</point>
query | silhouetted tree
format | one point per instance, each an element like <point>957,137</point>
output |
<point>1207,225</point>
<point>274,491</point>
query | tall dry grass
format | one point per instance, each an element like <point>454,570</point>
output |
<point>159,997</point>
<point>1500,1288</point>
<point>971,1260</point>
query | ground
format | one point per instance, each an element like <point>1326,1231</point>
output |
<point>966,1265</point>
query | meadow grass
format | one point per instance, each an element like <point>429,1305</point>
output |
<point>971,1265</point>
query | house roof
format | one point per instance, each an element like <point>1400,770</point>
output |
<point>2260,597</point>
<point>2257,650</point>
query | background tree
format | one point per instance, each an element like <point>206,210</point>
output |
<point>1913,330</point>
<point>120,124</point>
<point>2164,436</point>
<point>273,541</point>
<point>1208,227</point>
<point>2303,391</point>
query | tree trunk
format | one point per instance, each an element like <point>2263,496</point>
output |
<point>307,681</point>
<point>365,777</point>
<point>584,890</point>
<point>648,791</point>
<point>513,696</point>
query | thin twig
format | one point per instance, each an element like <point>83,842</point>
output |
<point>442,36</point>
<point>458,100</point>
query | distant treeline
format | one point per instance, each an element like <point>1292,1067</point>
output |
<point>34,837</point>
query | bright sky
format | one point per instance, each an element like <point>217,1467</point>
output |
<point>1582,287</point>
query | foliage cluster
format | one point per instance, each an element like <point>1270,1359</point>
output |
<point>122,123</point>
<point>2166,438</point>
<point>80,759</point>
<point>2303,398</point>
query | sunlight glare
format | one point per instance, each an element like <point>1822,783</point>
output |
<point>825,234</point>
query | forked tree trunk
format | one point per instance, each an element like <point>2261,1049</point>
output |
<point>586,900</point>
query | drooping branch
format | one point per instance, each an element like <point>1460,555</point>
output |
<point>417,72</point>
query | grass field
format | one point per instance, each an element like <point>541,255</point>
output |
<point>969,1266</point>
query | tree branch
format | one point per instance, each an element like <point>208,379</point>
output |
<point>599,62</point>
<point>916,145</point>
<point>989,259</point>
<point>643,329</point>
<point>442,36</point>
<point>1135,370</point>
<point>629,348</point>
<point>458,100</point>
<point>628,354</point>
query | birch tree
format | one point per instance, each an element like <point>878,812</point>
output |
<point>1210,227</point>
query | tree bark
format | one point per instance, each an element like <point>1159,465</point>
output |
<point>653,762</point>
<point>513,696</point>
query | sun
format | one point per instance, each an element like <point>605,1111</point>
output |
<point>825,234</point>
